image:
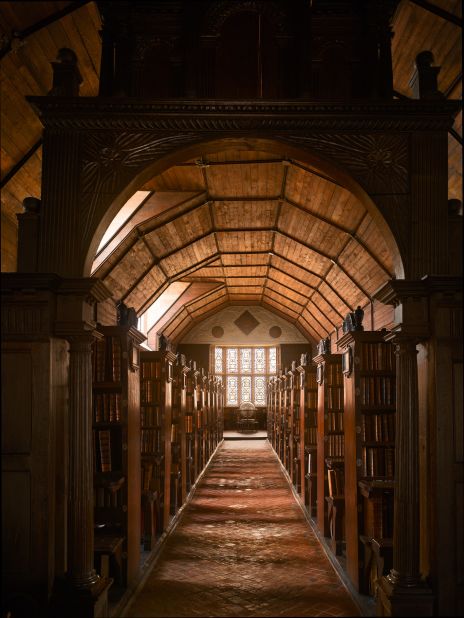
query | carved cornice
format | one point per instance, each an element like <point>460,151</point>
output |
<point>91,289</point>
<point>397,291</point>
<point>263,116</point>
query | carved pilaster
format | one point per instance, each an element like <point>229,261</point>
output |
<point>403,592</point>
<point>80,505</point>
<point>429,205</point>
<point>60,229</point>
<point>405,571</point>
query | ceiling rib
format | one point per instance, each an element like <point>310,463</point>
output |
<point>207,163</point>
<point>307,285</point>
<point>23,34</point>
<point>334,262</point>
<point>15,169</point>
<point>316,173</point>
<point>436,10</point>
<point>137,234</point>
<point>282,257</point>
<point>327,256</point>
<point>345,230</point>
<point>276,222</point>
<point>151,299</point>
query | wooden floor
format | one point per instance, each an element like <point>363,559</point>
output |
<point>243,548</point>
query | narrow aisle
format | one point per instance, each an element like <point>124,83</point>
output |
<point>243,548</point>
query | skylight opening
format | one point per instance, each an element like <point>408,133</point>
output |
<point>122,217</point>
<point>155,312</point>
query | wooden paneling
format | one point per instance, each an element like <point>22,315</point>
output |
<point>255,179</point>
<point>311,230</point>
<point>177,178</point>
<point>194,253</point>
<point>244,241</point>
<point>300,254</point>
<point>244,214</point>
<point>180,232</point>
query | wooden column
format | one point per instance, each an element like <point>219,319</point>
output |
<point>404,592</point>
<point>80,505</point>
<point>405,571</point>
<point>83,593</point>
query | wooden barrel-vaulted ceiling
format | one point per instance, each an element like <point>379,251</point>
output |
<point>258,229</point>
<point>239,226</point>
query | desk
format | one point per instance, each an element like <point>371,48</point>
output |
<point>247,424</point>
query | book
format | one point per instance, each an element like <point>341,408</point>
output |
<point>104,439</point>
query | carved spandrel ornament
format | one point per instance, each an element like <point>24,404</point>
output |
<point>379,162</point>
<point>110,161</point>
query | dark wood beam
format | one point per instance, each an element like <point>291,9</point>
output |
<point>15,169</point>
<point>43,23</point>
<point>456,135</point>
<point>347,231</point>
<point>436,10</point>
<point>454,84</point>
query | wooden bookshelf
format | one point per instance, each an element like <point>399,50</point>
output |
<point>308,430</point>
<point>189,425</point>
<point>294,427</point>
<point>116,447</point>
<point>271,412</point>
<point>330,427</point>
<point>156,388</point>
<point>369,400</point>
<point>197,423</point>
<point>177,436</point>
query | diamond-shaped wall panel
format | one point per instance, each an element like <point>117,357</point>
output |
<point>246,322</point>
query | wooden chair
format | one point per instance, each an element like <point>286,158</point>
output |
<point>246,418</point>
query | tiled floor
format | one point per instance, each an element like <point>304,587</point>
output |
<point>243,548</point>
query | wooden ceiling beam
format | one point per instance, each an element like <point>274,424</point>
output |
<point>151,299</point>
<point>283,257</point>
<point>232,162</point>
<point>310,327</point>
<point>17,166</point>
<point>43,23</point>
<point>137,233</point>
<point>251,198</point>
<point>293,321</point>
<point>316,173</point>
<point>276,221</point>
<point>339,227</point>
<point>328,257</point>
<point>436,10</point>
<point>454,84</point>
<point>307,285</point>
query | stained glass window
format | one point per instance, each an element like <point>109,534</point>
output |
<point>260,360</point>
<point>260,391</point>
<point>258,364</point>
<point>232,391</point>
<point>245,359</point>
<point>272,360</point>
<point>245,394</point>
<point>232,360</point>
<point>218,360</point>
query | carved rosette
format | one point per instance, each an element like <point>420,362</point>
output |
<point>378,161</point>
<point>112,160</point>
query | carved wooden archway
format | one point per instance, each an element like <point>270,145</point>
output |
<point>98,152</point>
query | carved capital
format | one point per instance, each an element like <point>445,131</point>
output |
<point>76,300</point>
